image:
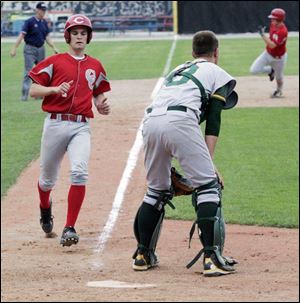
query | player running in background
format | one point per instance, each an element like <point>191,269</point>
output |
<point>273,59</point>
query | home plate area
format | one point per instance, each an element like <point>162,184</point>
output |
<point>117,284</point>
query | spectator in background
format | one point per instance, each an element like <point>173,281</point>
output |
<point>35,32</point>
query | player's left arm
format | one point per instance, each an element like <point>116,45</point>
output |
<point>213,122</point>
<point>277,39</point>
<point>101,86</point>
<point>101,104</point>
<point>213,117</point>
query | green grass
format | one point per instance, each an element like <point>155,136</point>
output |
<point>258,157</point>
<point>122,59</point>
<point>133,60</point>
<point>258,148</point>
<point>237,55</point>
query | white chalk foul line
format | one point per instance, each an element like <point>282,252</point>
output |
<point>166,69</point>
<point>131,163</point>
<point>112,218</point>
<point>170,56</point>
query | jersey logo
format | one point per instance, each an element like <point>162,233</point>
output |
<point>90,76</point>
<point>275,37</point>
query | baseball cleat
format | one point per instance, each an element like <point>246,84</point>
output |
<point>69,236</point>
<point>46,219</point>
<point>212,269</point>
<point>230,261</point>
<point>271,75</point>
<point>142,262</point>
<point>277,94</point>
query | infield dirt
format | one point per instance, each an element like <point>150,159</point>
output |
<point>35,268</point>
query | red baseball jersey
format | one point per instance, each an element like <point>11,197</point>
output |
<point>279,36</point>
<point>89,79</point>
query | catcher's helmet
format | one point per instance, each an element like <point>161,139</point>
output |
<point>77,20</point>
<point>278,14</point>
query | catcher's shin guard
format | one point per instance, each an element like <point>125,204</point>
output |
<point>158,211</point>
<point>213,226</point>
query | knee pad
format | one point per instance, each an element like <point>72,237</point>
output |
<point>210,192</point>
<point>253,69</point>
<point>159,198</point>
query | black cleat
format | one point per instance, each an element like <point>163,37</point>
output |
<point>212,268</point>
<point>69,236</point>
<point>271,75</point>
<point>144,261</point>
<point>46,219</point>
<point>277,94</point>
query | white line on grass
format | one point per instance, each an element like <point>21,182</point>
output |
<point>166,69</point>
<point>112,218</point>
<point>131,163</point>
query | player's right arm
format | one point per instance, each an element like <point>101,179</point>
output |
<point>20,38</point>
<point>213,122</point>
<point>268,41</point>
<point>25,30</point>
<point>38,90</point>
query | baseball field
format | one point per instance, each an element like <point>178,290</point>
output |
<point>257,154</point>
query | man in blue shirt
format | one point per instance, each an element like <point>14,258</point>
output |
<point>35,32</point>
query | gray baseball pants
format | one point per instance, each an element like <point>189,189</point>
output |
<point>176,134</point>
<point>32,56</point>
<point>58,138</point>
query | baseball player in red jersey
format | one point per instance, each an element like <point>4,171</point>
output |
<point>273,59</point>
<point>68,83</point>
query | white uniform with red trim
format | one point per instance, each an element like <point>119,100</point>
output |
<point>72,135</point>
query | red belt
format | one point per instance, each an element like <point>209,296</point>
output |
<point>68,117</point>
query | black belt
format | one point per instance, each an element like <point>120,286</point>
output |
<point>34,45</point>
<point>175,107</point>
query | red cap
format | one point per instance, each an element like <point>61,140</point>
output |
<point>278,14</point>
<point>77,20</point>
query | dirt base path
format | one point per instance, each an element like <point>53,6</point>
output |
<point>35,268</point>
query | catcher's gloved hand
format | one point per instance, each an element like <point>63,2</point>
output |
<point>261,30</point>
<point>181,186</point>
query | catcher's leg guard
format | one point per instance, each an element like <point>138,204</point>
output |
<point>147,227</point>
<point>211,227</point>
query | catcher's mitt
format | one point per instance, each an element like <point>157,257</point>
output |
<point>181,186</point>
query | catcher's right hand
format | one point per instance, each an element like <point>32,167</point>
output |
<point>261,30</point>
<point>180,185</point>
